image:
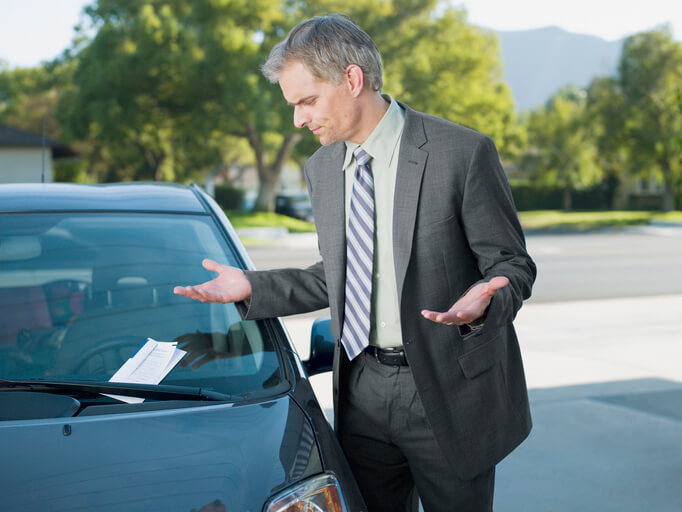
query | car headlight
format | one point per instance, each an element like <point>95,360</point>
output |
<point>318,494</point>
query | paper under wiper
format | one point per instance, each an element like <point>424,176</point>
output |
<point>150,364</point>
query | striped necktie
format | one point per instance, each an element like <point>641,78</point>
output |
<point>359,258</point>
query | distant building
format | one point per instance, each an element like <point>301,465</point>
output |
<point>21,156</point>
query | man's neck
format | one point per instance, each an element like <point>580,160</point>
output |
<point>374,108</point>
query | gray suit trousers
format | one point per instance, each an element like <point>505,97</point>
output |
<point>391,446</point>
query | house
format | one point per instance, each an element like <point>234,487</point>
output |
<point>22,159</point>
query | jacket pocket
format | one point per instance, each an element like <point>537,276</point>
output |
<point>429,227</point>
<point>483,356</point>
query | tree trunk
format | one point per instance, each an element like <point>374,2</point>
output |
<point>668,197</point>
<point>612,186</point>
<point>267,190</point>
<point>668,190</point>
<point>268,175</point>
<point>568,199</point>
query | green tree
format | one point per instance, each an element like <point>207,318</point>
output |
<point>451,69</point>
<point>138,93</point>
<point>164,84</point>
<point>605,119</point>
<point>167,85</point>
<point>650,76</point>
<point>437,62</point>
<point>432,59</point>
<point>562,151</point>
<point>29,95</point>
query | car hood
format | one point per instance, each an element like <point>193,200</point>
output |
<point>219,457</point>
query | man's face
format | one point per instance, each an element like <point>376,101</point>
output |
<point>328,110</point>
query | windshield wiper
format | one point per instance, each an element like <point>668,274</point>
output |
<point>153,392</point>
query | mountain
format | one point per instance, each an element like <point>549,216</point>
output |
<point>538,62</point>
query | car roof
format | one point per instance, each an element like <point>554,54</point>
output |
<point>134,196</point>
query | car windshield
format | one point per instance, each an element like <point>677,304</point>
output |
<point>81,292</point>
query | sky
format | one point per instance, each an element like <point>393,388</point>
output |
<point>32,31</point>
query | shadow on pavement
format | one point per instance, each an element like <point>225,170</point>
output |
<point>613,446</point>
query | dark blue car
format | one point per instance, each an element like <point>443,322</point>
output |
<point>86,277</point>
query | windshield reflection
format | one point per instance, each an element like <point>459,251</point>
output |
<point>81,292</point>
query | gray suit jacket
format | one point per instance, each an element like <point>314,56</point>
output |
<point>454,225</point>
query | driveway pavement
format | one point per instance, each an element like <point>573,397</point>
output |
<point>605,380</point>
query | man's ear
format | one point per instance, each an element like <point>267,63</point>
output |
<point>354,79</point>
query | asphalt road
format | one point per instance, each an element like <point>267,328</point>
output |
<point>630,262</point>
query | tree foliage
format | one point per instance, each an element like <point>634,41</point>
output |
<point>622,126</point>
<point>172,90</point>
<point>650,78</point>
<point>29,94</point>
<point>563,152</point>
<point>436,62</point>
<point>164,83</point>
<point>605,118</point>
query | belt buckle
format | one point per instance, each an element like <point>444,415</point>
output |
<point>393,357</point>
<point>387,356</point>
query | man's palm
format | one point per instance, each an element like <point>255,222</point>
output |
<point>231,285</point>
<point>471,306</point>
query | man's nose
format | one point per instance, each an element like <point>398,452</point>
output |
<point>300,118</point>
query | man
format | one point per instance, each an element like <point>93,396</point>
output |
<point>422,257</point>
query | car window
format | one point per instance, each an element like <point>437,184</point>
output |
<point>81,292</point>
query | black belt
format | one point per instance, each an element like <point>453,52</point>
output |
<point>388,356</point>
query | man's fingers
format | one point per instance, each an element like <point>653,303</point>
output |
<point>202,361</point>
<point>470,307</point>
<point>211,265</point>
<point>195,292</point>
<point>191,292</point>
<point>429,315</point>
<point>185,291</point>
<point>179,290</point>
<point>188,359</point>
<point>448,317</point>
<point>229,286</point>
<point>496,283</point>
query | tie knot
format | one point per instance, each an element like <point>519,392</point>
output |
<point>361,156</point>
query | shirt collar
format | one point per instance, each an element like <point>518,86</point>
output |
<point>381,143</point>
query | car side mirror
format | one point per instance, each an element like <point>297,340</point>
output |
<point>321,348</point>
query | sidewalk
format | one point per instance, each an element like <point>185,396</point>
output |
<point>605,380</point>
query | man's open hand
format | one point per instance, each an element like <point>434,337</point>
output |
<point>231,285</point>
<point>471,306</point>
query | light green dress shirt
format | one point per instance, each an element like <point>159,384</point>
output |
<point>383,146</point>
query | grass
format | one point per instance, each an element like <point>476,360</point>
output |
<point>559,221</point>
<point>675,217</point>
<point>541,220</point>
<point>241,220</point>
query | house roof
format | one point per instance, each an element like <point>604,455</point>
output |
<point>12,138</point>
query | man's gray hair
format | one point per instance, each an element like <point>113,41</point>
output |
<point>327,45</point>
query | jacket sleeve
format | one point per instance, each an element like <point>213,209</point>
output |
<point>494,233</point>
<point>286,291</point>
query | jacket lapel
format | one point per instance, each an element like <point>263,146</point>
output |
<point>331,224</point>
<point>411,163</point>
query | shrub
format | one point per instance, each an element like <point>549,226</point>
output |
<point>229,197</point>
